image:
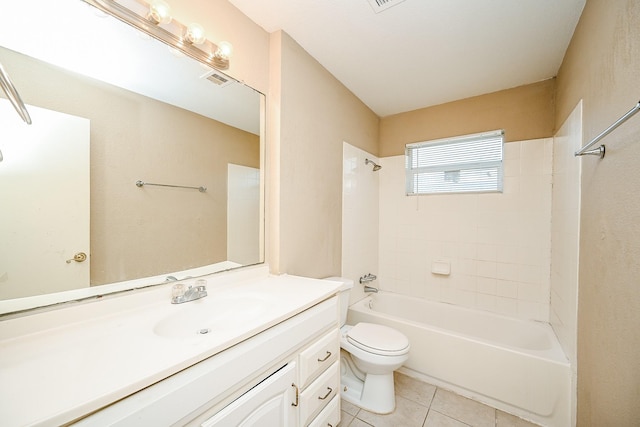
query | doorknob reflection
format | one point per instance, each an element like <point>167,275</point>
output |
<point>79,257</point>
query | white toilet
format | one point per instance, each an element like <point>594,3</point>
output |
<point>370,353</point>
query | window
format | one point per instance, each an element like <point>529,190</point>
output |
<point>463,164</point>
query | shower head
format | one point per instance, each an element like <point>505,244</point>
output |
<point>376,167</point>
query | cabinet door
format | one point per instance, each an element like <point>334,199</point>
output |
<point>269,404</point>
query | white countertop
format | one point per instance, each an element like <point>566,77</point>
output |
<point>59,365</point>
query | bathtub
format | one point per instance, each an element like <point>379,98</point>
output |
<point>513,365</point>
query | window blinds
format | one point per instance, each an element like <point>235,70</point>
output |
<point>469,163</point>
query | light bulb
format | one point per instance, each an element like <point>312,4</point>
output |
<point>225,50</point>
<point>159,12</point>
<point>194,34</point>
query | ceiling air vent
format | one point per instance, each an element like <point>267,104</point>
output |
<point>380,5</point>
<point>218,78</point>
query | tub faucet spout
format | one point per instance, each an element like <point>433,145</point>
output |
<point>370,289</point>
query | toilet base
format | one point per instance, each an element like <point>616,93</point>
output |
<point>375,394</point>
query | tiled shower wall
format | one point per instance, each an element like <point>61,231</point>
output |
<point>565,232</point>
<point>497,244</point>
<point>565,238</point>
<point>359,217</point>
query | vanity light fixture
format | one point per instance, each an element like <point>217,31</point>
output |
<point>159,12</point>
<point>222,55</point>
<point>154,19</point>
<point>195,34</point>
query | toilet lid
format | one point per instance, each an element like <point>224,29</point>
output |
<point>378,339</point>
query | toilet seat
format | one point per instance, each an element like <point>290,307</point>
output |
<point>378,339</point>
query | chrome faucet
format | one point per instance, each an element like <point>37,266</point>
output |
<point>192,293</point>
<point>368,278</point>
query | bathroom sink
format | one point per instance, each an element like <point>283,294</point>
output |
<point>213,315</point>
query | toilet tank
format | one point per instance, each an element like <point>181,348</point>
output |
<point>344,292</point>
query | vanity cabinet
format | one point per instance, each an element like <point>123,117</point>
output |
<point>286,375</point>
<point>295,395</point>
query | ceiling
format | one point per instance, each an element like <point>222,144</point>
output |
<point>419,53</point>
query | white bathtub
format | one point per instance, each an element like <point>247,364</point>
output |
<point>513,365</point>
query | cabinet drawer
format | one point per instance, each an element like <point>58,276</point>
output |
<point>319,393</point>
<point>330,415</point>
<point>319,356</point>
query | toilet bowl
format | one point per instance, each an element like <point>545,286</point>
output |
<point>370,354</point>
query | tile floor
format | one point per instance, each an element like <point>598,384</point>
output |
<point>419,404</point>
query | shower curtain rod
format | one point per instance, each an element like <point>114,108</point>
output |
<point>601,149</point>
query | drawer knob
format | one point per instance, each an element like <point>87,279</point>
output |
<point>326,357</point>
<point>326,395</point>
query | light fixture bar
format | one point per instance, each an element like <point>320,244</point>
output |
<point>124,14</point>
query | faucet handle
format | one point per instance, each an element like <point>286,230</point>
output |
<point>368,278</point>
<point>201,285</point>
<point>177,290</point>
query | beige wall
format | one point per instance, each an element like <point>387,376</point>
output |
<point>143,232</point>
<point>316,113</point>
<point>601,67</point>
<point>524,112</point>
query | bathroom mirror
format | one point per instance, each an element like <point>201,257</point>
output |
<point>139,114</point>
